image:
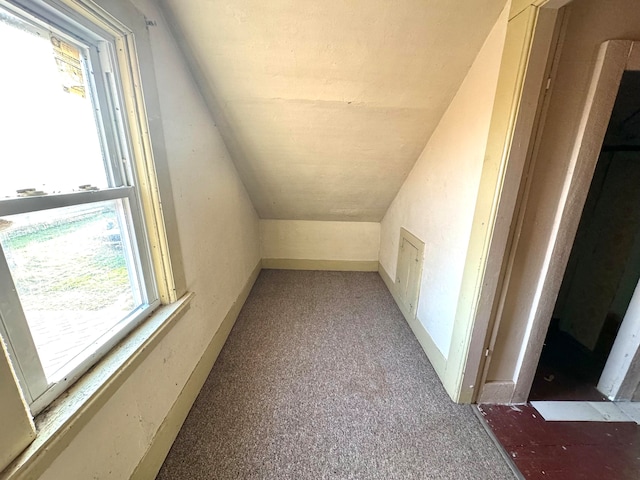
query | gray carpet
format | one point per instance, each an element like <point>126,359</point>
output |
<point>322,378</point>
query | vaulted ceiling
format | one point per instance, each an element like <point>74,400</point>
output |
<point>326,105</point>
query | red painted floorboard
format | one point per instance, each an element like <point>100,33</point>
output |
<point>565,450</point>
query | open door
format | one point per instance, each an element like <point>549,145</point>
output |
<point>602,272</point>
<point>531,41</point>
<point>542,245</point>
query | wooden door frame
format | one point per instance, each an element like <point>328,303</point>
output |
<point>529,44</point>
<point>614,57</point>
<point>620,378</point>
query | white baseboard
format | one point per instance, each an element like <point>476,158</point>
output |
<point>433,353</point>
<point>335,265</point>
<point>167,432</point>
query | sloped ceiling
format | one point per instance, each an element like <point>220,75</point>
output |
<point>326,105</point>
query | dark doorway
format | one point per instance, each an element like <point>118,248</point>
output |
<point>604,265</point>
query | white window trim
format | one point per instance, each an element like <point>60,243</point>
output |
<point>87,12</point>
<point>152,236</point>
<point>66,415</point>
<point>57,426</point>
<point>141,147</point>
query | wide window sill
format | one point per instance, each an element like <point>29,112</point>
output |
<point>61,421</point>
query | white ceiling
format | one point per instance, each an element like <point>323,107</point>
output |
<point>326,105</point>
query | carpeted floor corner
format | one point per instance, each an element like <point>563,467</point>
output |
<point>321,378</point>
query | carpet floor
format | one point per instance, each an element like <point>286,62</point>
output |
<point>321,377</point>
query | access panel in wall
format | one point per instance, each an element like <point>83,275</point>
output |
<point>408,273</point>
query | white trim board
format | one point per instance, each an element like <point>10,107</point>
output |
<point>558,411</point>
<point>631,410</point>
<point>530,313</point>
<point>434,355</point>
<point>331,265</point>
<point>167,432</point>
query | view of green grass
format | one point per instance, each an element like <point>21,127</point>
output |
<point>68,263</point>
<point>23,237</point>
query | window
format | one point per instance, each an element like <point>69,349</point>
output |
<point>76,270</point>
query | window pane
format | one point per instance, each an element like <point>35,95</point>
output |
<point>73,273</point>
<point>50,140</point>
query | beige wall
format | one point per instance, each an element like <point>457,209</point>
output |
<point>219,234</point>
<point>590,23</point>
<point>436,202</point>
<point>308,240</point>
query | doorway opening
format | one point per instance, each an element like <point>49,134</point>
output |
<point>604,265</point>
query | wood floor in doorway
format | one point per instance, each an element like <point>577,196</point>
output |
<point>567,371</point>
<point>564,450</point>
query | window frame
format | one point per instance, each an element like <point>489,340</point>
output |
<point>89,23</point>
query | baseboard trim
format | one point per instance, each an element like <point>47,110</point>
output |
<point>150,464</point>
<point>335,265</point>
<point>386,278</point>
<point>436,358</point>
<point>433,353</point>
<point>497,392</point>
